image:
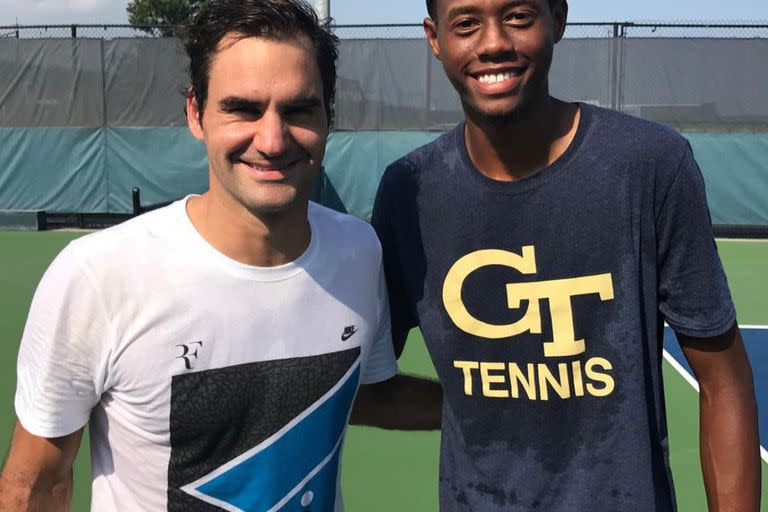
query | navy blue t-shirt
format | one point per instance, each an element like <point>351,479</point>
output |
<point>542,304</point>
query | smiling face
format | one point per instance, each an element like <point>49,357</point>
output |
<point>264,123</point>
<point>497,53</point>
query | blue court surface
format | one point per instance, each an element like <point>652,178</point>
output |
<point>756,343</point>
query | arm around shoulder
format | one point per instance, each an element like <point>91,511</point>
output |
<point>37,476</point>
<point>403,402</point>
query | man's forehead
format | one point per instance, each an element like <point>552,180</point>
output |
<point>451,7</point>
<point>246,67</point>
<point>244,54</point>
<point>299,41</point>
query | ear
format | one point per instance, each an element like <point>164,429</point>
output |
<point>560,18</point>
<point>430,29</point>
<point>194,115</point>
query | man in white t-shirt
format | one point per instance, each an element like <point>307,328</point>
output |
<point>216,345</point>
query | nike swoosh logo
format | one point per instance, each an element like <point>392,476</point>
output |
<point>348,333</point>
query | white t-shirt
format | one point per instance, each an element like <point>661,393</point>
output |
<point>209,384</point>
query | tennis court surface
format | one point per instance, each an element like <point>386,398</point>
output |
<point>388,471</point>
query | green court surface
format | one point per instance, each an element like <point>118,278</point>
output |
<point>387,471</point>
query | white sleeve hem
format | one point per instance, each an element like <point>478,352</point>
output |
<point>47,430</point>
<point>379,376</point>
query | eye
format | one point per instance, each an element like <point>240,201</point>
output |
<point>242,111</point>
<point>464,25</point>
<point>520,18</point>
<point>299,111</point>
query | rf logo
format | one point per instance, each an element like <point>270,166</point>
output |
<point>188,352</point>
<point>559,293</point>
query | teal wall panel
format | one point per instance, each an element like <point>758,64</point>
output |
<point>165,163</point>
<point>54,169</point>
<point>734,166</point>
<point>735,169</point>
<point>355,161</point>
<point>94,170</point>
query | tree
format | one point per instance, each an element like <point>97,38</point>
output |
<point>147,14</point>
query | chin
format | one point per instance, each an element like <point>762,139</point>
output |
<point>271,208</point>
<point>509,112</point>
<point>495,115</point>
<point>273,205</point>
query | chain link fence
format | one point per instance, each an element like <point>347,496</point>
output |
<point>414,31</point>
<point>695,30</point>
<point>82,31</point>
<point>388,79</point>
<point>131,80</point>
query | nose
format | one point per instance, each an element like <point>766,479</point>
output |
<point>495,41</point>
<point>271,137</point>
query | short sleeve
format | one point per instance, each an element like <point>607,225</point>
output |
<point>381,363</point>
<point>693,291</point>
<point>401,313</point>
<point>63,354</point>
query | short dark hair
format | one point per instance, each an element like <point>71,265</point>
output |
<point>432,7</point>
<point>270,19</point>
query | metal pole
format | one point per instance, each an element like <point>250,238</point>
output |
<point>136,201</point>
<point>615,65</point>
<point>323,9</point>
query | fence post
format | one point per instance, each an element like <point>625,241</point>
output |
<point>73,31</point>
<point>103,128</point>
<point>614,66</point>
<point>617,64</point>
<point>428,95</point>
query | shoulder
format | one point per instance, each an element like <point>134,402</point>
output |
<point>621,134</point>
<point>343,228</point>
<point>426,159</point>
<point>98,264</point>
<point>126,243</point>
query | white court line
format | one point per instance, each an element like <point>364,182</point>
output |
<point>682,371</point>
<point>741,326</point>
<point>695,385</point>
<point>743,240</point>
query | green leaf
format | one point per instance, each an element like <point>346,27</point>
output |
<point>148,14</point>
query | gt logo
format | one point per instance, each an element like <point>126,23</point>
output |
<point>558,292</point>
<point>189,351</point>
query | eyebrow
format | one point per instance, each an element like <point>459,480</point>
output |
<point>239,103</point>
<point>471,9</point>
<point>304,102</point>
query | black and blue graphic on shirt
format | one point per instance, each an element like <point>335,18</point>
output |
<point>261,437</point>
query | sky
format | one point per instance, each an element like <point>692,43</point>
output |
<point>50,12</point>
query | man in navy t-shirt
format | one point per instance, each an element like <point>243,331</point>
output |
<point>539,246</point>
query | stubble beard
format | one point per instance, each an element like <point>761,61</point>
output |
<point>263,201</point>
<point>269,204</point>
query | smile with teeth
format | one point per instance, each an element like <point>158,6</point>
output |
<point>491,78</point>
<point>268,167</point>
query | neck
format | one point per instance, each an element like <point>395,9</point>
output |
<point>518,146</point>
<point>253,239</point>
